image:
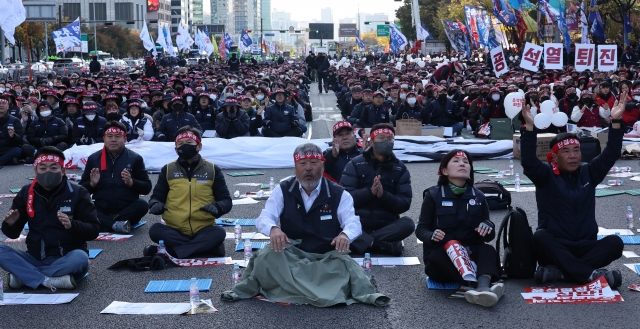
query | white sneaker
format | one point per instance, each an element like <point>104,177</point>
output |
<point>482,298</point>
<point>498,289</point>
<point>61,282</point>
<point>14,281</point>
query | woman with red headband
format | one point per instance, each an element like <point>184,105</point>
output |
<point>565,242</point>
<point>455,214</point>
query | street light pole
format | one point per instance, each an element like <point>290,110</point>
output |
<point>95,30</point>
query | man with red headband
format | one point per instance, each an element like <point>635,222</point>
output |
<point>565,242</point>
<point>343,149</point>
<point>190,194</point>
<point>61,219</point>
<point>380,185</point>
<point>117,176</point>
<point>309,208</point>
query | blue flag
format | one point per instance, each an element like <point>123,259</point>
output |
<point>504,13</point>
<point>597,26</point>
<point>564,30</point>
<point>68,36</point>
<point>627,29</point>
<point>457,37</point>
<point>246,39</point>
<point>360,43</point>
<point>398,40</point>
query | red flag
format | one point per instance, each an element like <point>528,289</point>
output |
<point>522,26</point>
<point>222,50</point>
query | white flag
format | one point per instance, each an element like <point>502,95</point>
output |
<point>199,40</point>
<point>147,42</point>
<point>166,32</point>
<point>161,39</point>
<point>183,40</point>
<point>12,15</point>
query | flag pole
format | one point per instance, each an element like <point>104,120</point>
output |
<point>26,31</point>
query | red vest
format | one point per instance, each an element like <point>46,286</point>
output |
<point>590,118</point>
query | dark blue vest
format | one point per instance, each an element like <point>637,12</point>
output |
<point>317,227</point>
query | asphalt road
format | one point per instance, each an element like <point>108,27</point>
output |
<point>412,304</point>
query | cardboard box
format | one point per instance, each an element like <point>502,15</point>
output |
<point>603,137</point>
<point>433,131</point>
<point>541,150</point>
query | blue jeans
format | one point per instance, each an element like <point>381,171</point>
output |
<point>13,152</point>
<point>457,128</point>
<point>32,272</point>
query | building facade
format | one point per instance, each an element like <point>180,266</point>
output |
<point>103,11</point>
<point>162,15</point>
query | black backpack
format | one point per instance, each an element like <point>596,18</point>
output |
<point>496,195</point>
<point>518,261</point>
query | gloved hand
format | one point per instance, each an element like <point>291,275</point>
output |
<point>140,133</point>
<point>295,123</point>
<point>231,115</point>
<point>84,140</point>
<point>157,208</point>
<point>212,209</point>
<point>266,123</point>
<point>46,141</point>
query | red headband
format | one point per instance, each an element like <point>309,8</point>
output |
<point>556,148</point>
<point>115,130</point>
<point>188,134</point>
<point>461,154</point>
<point>308,155</point>
<point>379,131</point>
<point>36,162</point>
<point>48,158</point>
<point>2,100</point>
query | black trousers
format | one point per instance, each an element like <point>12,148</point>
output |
<point>323,81</point>
<point>439,266</point>
<point>394,232</point>
<point>208,242</point>
<point>133,213</point>
<point>576,262</point>
<point>29,150</point>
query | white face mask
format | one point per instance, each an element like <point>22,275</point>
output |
<point>495,97</point>
<point>213,97</point>
<point>300,80</point>
<point>45,114</point>
<point>637,98</point>
<point>527,79</point>
<point>260,97</point>
<point>404,86</point>
<point>124,99</point>
<point>411,101</point>
<point>189,99</point>
<point>403,96</point>
<point>536,81</point>
<point>396,80</point>
<point>30,88</point>
<point>281,76</point>
<point>229,94</point>
<point>1,90</point>
<point>90,117</point>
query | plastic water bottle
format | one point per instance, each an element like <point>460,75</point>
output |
<point>248,251</point>
<point>629,218</point>
<point>161,248</point>
<point>1,289</point>
<point>625,169</point>
<point>237,232</point>
<point>236,275</point>
<point>614,170</point>
<point>236,194</point>
<point>517,182</point>
<point>272,184</point>
<point>615,182</point>
<point>194,295</point>
<point>510,167</point>
<point>366,265</point>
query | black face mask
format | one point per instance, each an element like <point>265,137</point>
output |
<point>178,88</point>
<point>534,98</point>
<point>484,94</point>
<point>587,101</point>
<point>49,180</point>
<point>177,107</point>
<point>187,151</point>
<point>451,92</point>
<point>429,92</point>
<point>473,79</point>
<point>571,97</point>
<point>544,98</point>
<point>521,86</point>
<point>114,116</point>
<point>442,97</point>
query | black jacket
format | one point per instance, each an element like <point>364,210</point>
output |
<point>357,179</point>
<point>417,112</point>
<point>372,115</point>
<point>322,65</point>
<point>6,142</point>
<point>255,122</point>
<point>206,117</point>
<point>234,64</point>
<point>94,66</point>
<point>566,202</point>
<point>445,116</point>
<point>171,123</point>
<point>281,118</point>
<point>111,193</point>
<point>334,166</point>
<point>53,128</point>
<point>90,129</point>
<point>347,106</point>
<point>231,128</point>
<point>354,118</point>
<point>46,233</point>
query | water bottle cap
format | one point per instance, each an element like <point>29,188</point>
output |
<point>236,265</point>
<point>161,242</point>
<point>193,279</point>
<point>367,255</point>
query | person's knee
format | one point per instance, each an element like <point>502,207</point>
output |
<point>156,232</point>
<point>406,225</point>
<point>541,235</point>
<point>614,244</point>
<point>78,260</point>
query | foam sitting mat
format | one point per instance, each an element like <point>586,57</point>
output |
<point>632,192</point>
<point>435,285</point>
<point>140,223</point>
<point>626,239</point>
<point>234,221</point>
<point>244,173</point>
<point>93,253</point>
<point>176,285</point>
<point>513,182</point>
<point>255,245</point>
<point>602,193</point>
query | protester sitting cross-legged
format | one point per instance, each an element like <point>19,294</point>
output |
<point>232,121</point>
<point>343,149</point>
<point>280,119</point>
<point>11,132</point>
<point>190,194</point>
<point>454,211</point>
<point>61,220</point>
<point>48,130</point>
<point>565,242</point>
<point>116,176</point>
<point>380,185</point>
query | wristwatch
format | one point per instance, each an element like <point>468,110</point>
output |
<point>616,120</point>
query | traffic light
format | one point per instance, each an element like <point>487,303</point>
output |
<point>283,31</point>
<point>298,31</point>
<point>367,23</point>
<point>248,31</point>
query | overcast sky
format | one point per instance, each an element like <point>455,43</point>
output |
<point>308,10</point>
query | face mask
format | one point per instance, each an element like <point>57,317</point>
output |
<point>451,92</point>
<point>429,93</point>
<point>544,98</point>
<point>260,97</point>
<point>536,81</point>
<point>49,179</point>
<point>281,76</point>
<point>1,90</point>
<point>124,99</point>
<point>300,80</point>
<point>45,114</point>
<point>527,79</point>
<point>90,117</point>
<point>177,107</point>
<point>403,96</point>
<point>404,86</point>
<point>189,99</point>
<point>213,97</point>
<point>30,89</point>
<point>411,101</point>
<point>534,98</point>
<point>572,97</point>
<point>113,116</point>
<point>396,80</point>
<point>484,94</point>
<point>178,88</point>
<point>442,97</point>
<point>637,98</point>
<point>587,101</point>
<point>383,148</point>
<point>229,94</point>
<point>187,151</point>
<point>521,86</point>
<point>495,97</point>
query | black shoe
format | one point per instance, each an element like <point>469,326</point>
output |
<point>549,273</point>
<point>614,278</point>
<point>150,250</point>
<point>28,160</point>
<point>388,248</point>
<point>14,161</point>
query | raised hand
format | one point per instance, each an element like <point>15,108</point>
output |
<point>618,107</point>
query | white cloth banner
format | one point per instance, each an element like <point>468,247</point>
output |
<point>161,40</point>
<point>531,57</point>
<point>607,58</point>
<point>183,39</point>
<point>553,56</point>
<point>12,14</point>
<point>499,63</point>
<point>585,57</point>
<point>147,41</point>
<point>271,153</point>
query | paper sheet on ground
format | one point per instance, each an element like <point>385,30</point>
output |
<point>391,261</point>
<point>37,299</point>
<point>522,189</point>
<point>633,267</point>
<point>614,231</point>
<point>630,254</point>
<point>248,235</point>
<point>147,308</point>
<point>106,236</point>
<point>237,202</point>
<point>199,261</point>
<point>635,178</point>
<point>596,291</point>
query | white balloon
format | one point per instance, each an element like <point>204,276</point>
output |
<point>343,59</point>
<point>347,64</point>
<point>421,64</point>
<point>290,62</point>
<point>408,57</point>
<point>513,104</point>
<point>636,128</point>
<point>363,59</point>
<point>332,62</point>
<point>548,107</point>
<point>542,121</point>
<point>559,119</point>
